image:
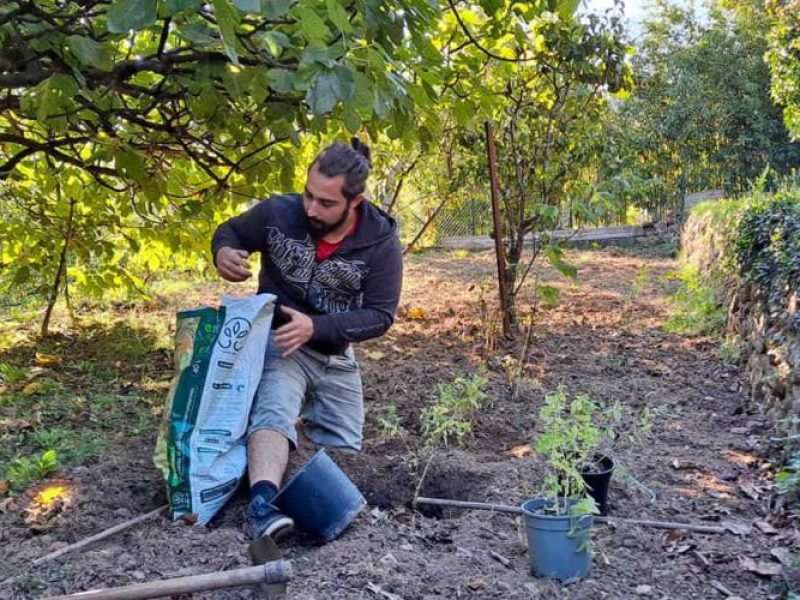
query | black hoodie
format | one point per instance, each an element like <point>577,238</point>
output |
<point>351,296</point>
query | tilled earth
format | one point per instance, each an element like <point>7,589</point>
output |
<point>705,463</point>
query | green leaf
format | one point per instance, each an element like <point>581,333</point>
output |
<point>22,275</point>
<point>362,94</point>
<point>351,118</point>
<point>259,85</point>
<point>490,7</point>
<point>555,256</point>
<point>567,8</point>
<point>463,111</point>
<point>281,80</point>
<point>126,15</point>
<point>89,52</point>
<point>273,9</point>
<point>198,33</point>
<point>338,16</point>
<point>205,104</point>
<point>382,102</point>
<point>347,83</point>
<point>131,164</point>
<point>248,6</point>
<point>427,49</point>
<point>274,42</point>
<point>312,27</point>
<point>329,87</point>
<point>323,94</point>
<point>315,54</point>
<point>175,6</point>
<point>48,463</point>
<point>51,96</point>
<point>549,295</point>
<point>227,20</point>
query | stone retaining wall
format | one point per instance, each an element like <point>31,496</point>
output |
<point>769,332</point>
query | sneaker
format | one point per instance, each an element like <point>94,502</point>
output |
<point>265,519</point>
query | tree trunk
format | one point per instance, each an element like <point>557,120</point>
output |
<point>513,256</point>
<point>62,266</point>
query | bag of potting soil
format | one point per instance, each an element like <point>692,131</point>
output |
<point>219,356</point>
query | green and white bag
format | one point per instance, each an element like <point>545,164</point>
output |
<point>219,357</point>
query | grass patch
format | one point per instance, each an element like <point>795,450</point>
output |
<point>70,397</point>
<point>695,307</point>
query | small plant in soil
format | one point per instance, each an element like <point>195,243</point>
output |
<point>26,470</point>
<point>452,414</point>
<point>390,423</point>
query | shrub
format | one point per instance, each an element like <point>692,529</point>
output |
<point>452,413</point>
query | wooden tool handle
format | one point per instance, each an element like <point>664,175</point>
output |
<point>277,571</point>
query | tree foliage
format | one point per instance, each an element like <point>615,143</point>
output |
<point>701,115</point>
<point>784,59</point>
<point>129,128</point>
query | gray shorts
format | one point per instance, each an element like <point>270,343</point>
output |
<point>324,390</point>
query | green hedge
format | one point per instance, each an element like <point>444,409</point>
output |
<point>755,238</point>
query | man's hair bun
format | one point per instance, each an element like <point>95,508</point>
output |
<point>362,149</point>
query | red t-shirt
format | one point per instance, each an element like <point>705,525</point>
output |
<point>325,249</point>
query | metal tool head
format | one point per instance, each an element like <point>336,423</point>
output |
<point>265,550</point>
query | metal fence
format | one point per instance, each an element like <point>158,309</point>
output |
<point>472,217</point>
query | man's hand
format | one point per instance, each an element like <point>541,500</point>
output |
<point>290,336</point>
<point>232,264</point>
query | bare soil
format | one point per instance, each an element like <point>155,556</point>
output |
<point>705,462</point>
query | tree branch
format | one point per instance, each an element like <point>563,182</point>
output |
<point>477,44</point>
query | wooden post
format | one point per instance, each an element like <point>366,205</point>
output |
<point>499,247</point>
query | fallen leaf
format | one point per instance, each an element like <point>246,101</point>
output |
<point>6,504</point>
<point>702,558</point>
<point>736,527</point>
<point>189,518</point>
<point>477,582</point>
<point>5,485</point>
<point>750,489</point>
<point>671,539</point>
<point>376,355</point>
<point>416,313</point>
<point>765,527</point>
<point>381,592</point>
<point>46,360</point>
<point>31,388</point>
<point>784,556</point>
<point>500,558</point>
<point>720,587</point>
<point>520,451</point>
<point>762,568</point>
<point>718,495</point>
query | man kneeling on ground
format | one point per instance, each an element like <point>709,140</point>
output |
<point>334,262</point>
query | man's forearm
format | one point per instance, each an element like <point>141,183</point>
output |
<point>351,326</point>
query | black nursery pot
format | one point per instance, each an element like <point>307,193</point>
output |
<point>597,477</point>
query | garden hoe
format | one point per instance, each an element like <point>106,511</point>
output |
<point>264,551</point>
<point>275,571</point>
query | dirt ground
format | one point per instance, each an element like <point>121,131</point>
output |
<point>704,463</point>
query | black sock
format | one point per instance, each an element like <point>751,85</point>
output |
<point>264,488</point>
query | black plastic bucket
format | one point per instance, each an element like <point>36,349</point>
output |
<point>598,478</point>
